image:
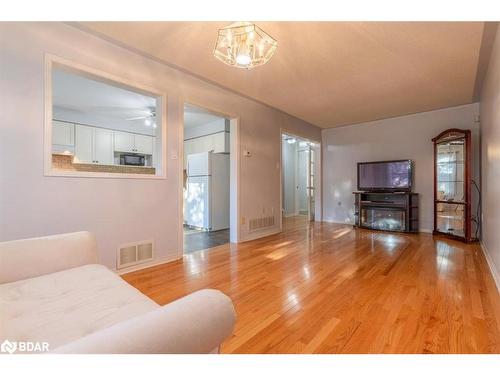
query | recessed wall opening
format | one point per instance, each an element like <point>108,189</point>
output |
<point>208,179</point>
<point>99,126</point>
<point>300,178</point>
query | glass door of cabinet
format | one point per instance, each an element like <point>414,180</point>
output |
<point>452,183</point>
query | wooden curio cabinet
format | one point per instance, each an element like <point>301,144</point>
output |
<point>452,184</point>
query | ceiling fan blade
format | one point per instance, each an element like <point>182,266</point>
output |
<point>137,118</point>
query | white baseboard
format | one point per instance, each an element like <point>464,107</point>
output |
<point>491,265</point>
<point>154,262</point>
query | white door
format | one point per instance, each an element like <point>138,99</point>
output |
<point>124,142</point>
<point>84,144</point>
<point>302,180</point>
<point>63,133</point>
<point>197,202</point>
<point>103,146</point>
<point>144,144</point>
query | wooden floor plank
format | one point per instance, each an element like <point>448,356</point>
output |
<point>329,288</point>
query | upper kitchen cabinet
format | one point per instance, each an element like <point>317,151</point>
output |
<point>220,142</point>
<point>102,126</point>
<point>103,146</point>
<point>84,144</point>
<point>217,143</point>
<point>63,133</point>
<point>143,144</point>
<point>93,145</point>
<point>63,137</point>
<point>133,143</point>
<point>124,142</point>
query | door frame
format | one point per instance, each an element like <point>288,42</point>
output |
<point>234,161</point>
<point>318,214</point>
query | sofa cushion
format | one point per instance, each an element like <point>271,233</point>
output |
<point>64,306</point>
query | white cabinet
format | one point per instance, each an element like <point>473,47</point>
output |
<point>143,144</point>
<point>218,143</point>
<point>84,148</point>
<point>103,146</point>
<point>136,143</point>
<point>63,137</point>
<point>93,145</point>
<point>124,142</point>
<point>63,133</point>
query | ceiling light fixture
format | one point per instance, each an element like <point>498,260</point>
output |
<point>244,45</point>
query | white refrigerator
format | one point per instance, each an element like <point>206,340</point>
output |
<point>206,204</point>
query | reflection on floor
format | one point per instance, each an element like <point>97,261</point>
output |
<point>321,287</point>
<point>195,240</point>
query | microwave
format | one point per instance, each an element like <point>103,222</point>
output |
<point>133,159</point>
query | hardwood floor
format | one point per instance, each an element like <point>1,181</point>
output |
<point>328,288</point>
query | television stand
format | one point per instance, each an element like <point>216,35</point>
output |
<point>395,211</point>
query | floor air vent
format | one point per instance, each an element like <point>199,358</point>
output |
<point>134,253</point>
<point>260,223</point>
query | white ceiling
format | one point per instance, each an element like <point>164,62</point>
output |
<point>196,116</point>
<point>78,93</point>
<point>328,73</point>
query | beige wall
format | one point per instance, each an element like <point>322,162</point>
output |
<point>405,137</point>
<point>490,160</point>
<point>117,211</point>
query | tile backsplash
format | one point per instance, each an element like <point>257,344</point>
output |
<point>65,162</point>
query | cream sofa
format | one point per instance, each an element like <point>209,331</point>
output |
<point>52,290</point>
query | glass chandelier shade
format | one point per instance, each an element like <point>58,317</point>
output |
<point>244,45</point>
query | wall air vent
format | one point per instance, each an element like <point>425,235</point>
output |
<point>260,223</point>
<point>134,253</point>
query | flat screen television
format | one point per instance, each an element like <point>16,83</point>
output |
<point>388,176</point>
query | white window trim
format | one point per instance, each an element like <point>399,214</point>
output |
<point>53,60</point>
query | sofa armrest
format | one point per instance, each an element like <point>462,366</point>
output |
<point>23,259</point>
<point>197,323</point>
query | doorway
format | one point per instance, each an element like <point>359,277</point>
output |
<point>209,186</point>
<point>300,171</point>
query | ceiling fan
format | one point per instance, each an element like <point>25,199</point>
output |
<point>149,118</point>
